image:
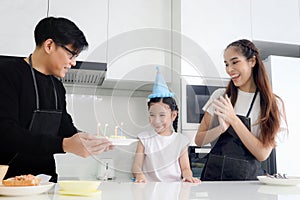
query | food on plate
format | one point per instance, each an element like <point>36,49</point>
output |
<point>23,180</point>
<point>278,175</point>
<point>3,170</point>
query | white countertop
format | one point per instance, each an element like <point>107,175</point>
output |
<point>252,190</point>
<point>237,190</point>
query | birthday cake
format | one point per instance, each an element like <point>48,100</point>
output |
<point>117,137</point>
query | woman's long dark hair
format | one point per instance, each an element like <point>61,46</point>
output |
<point>269,112</point>
<point>171,103</point>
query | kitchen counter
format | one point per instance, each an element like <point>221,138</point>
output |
<point>205,191</point>
<point>246,190</point>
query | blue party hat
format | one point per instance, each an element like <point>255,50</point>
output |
<point>160,88</point>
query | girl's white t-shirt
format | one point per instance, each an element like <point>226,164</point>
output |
<point>241,108</point>
<point>161,163</point>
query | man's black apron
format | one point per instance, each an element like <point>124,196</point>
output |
<point>43,122</point>
<point>229,159</point>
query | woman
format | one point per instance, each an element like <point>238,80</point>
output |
<point>249,118</point>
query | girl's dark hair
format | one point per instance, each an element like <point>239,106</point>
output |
<point>62,31</point>
<point>269,112</point>
<point>172,104</point>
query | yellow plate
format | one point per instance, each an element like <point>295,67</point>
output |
<point>79,186</point>
<point>78,193</point>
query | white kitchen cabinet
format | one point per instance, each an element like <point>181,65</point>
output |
<point>276,21</point>
<point>139,39</point>
<point>207,27</point>
<point>18,20</point>
<point>92,18</point>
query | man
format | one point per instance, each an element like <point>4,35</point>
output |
<point>34,123</point>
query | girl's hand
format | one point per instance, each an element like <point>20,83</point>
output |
<point>191,179</point>
<point>140,178</point>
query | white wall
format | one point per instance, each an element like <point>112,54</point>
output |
<point>87,111</point>
<point>206,28</point>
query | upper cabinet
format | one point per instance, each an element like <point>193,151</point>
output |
<point>276,21</point>
<point>132,36</point>
<point>92,18</point>
<point>18,20</point>
<point>139,33</point>
<point>207,27</point>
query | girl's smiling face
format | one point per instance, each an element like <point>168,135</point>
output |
<point>239,69</point>
<point>161,118</point>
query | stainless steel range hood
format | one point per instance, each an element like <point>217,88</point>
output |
<point>86,73</point>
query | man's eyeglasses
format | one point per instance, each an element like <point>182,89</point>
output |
<point>74,53</point>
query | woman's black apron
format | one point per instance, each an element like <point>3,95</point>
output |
<point>43,122</point>
<point>229,159</point>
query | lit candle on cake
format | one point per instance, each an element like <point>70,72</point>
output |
<point>117,135</point>
<point>121,129</point>
<point>98,129</point>
<point>116,131</point>
<point>105,129</point>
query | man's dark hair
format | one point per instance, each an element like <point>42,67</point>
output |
<point>62,31</point>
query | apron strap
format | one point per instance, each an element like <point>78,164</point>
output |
<point>35,86</point>
<point>54,91</point>
<point>253,100</point>
<point>34,83</point>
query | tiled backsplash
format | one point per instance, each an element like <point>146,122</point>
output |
<point>89,110</point>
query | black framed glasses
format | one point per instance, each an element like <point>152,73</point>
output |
<point>74,53</point>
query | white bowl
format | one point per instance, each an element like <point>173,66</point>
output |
<point>3,170</point>
<point>79,186</point>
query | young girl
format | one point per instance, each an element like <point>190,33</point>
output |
<point>241,143</point>
<point>161,154</point>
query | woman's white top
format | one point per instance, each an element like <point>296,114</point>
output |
<point>242,106</point>
<point>162,154</point>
